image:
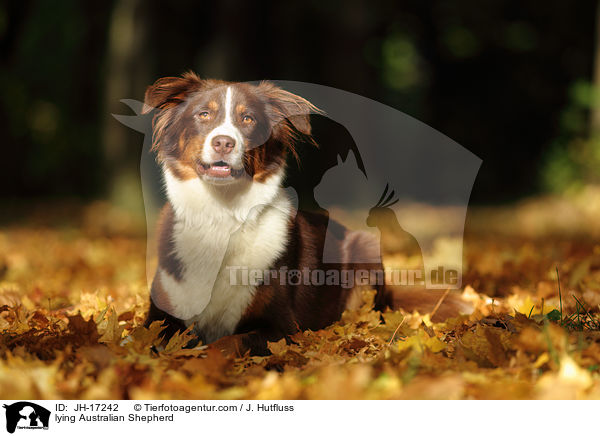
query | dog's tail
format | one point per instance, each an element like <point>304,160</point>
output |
<point>439,303</point>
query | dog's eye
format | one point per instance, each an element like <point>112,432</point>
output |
<point>205,115</point>
<point>247,119</point>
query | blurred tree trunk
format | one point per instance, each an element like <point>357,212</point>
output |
<point>595,110</point>
<point>126,77</point>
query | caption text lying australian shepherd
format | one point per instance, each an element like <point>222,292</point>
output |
<point>223,147</point>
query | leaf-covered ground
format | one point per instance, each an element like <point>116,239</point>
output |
<point>73,286</point>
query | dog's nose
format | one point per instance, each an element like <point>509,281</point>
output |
<point>223,144</point>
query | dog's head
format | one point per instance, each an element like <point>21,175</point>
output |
<point>223,132</point>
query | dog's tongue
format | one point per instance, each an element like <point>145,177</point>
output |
<point>219,170</point>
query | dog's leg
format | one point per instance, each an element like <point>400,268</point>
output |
<point>254,341</point>
<point>173,325</point>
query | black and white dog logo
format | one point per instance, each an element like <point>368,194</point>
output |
<point>26,415</point>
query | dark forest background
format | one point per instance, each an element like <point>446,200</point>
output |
<point>512,81</point>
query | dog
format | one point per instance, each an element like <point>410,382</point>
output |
<point>223,149</point>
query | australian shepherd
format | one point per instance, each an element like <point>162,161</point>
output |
<point>223,149</point>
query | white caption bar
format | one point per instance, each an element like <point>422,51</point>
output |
<point>294,417</point>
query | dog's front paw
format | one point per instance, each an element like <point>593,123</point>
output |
<point>230,346</point>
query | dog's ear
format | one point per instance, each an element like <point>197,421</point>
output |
<point>170,91</point>
<point>164,96</point>
<point>283,106</point>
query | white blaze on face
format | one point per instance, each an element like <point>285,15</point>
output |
<point>227,128</point>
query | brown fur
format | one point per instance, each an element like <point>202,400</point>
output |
<point>166,246</point>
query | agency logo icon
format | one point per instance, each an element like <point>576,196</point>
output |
<point>24,415</point>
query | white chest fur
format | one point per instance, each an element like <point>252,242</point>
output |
<point>218,227</point>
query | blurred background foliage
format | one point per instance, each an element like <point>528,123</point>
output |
<point>512,81</point>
